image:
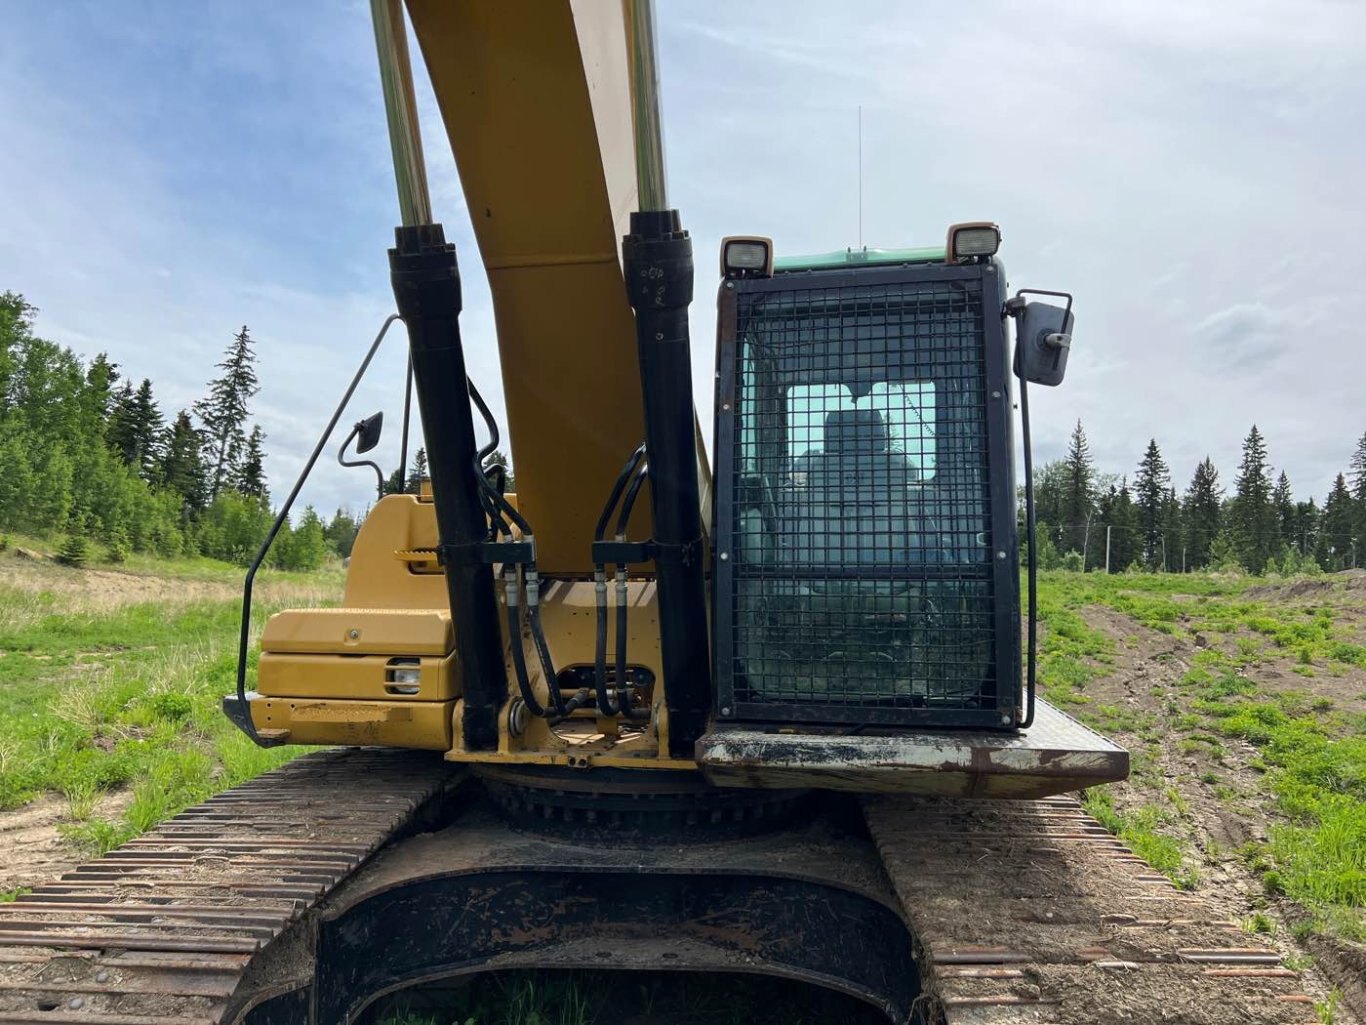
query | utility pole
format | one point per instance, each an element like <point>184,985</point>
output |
<point>1164,553</point>
<point>1183,558</point>
<point>1107,547</point>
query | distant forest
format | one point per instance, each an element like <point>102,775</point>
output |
<point>88,454</point>
<point>1147,524</point>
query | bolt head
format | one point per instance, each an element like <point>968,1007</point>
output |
<point>724,556</point>
<point>353,634</point>
<point>725,711</point>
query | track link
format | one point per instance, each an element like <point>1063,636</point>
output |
<point>1030,912</point>
<point>163,929</point>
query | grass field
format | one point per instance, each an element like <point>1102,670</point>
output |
<point>110,697</point>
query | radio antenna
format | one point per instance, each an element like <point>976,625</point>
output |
<point>860,176</point>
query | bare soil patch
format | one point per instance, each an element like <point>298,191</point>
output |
<point>1312,587</point>
<point>1214,785</point>
<point>35,850</point>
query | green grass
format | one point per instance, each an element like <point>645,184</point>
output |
<point>1142,829</point>
<point>1071,654</point>
<point>126,699</point>
<point>1313,759</point>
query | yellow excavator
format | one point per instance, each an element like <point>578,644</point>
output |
<point>844,589</point>
<point>637,715</point>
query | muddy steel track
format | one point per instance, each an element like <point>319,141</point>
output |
<point>243,909</point>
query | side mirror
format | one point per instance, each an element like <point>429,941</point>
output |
<point>1043,338</point>
<point>368,432</point>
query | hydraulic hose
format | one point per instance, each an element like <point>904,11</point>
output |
<point>626,476</point>
<point>623,519</point>
<point>622,478</point>
<point>492,497</point>
<point>514,627</point>
<point>533,615</point>
<point>623,686</point>
<point>628,506</point>
<point>605,705</point>
<point>492,424</point>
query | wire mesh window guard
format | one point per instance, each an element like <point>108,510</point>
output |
<point>862,587</point>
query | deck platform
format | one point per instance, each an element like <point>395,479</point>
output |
<point>1055,755</point>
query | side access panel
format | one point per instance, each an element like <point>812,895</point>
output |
<point>1055,755</point>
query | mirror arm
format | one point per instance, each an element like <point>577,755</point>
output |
<point>341,458</point>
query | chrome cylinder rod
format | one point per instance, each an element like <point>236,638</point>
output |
<point>645,114</point>
<point>400,107</point>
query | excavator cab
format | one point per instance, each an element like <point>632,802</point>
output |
<point>868,572</point>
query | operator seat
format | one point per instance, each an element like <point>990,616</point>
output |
<point>854,501</point>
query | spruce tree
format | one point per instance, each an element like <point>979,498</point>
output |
<point>1284,503</point>
<point>1078,494</point>
<point>1173,534</point>
<point>224,412</point>
<point>1150,496</point>
<point>418,472</point>
<point>75,551</point>
<point>251,475</point>
<point>1125,541</point>
<point>499,458</point>
<point>1256,531</point>
<point>1049,485</point>
<point>1116,517</point>
<point>182,466</point>
<point>100,378</point>
<point>1356,470</point>
<point>121,425</point>
<point>1304,529</point>
<point>145,428</point>
<point>1203,513</point>
<point>1357,477</point>
<point>341,532</point>
<point>1335,549</point>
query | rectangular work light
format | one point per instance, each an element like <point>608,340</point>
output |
<point>972,239</point>
<point>745,256</point>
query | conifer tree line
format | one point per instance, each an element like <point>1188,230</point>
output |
<point>1153,523</point>
<point>87,452</point>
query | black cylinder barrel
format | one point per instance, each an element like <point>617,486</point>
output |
<point>657,256</point>
<point>426,284</point>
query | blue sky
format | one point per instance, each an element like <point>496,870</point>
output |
<point>1191,171</point>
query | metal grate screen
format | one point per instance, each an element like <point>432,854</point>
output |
<point>862,582</point>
